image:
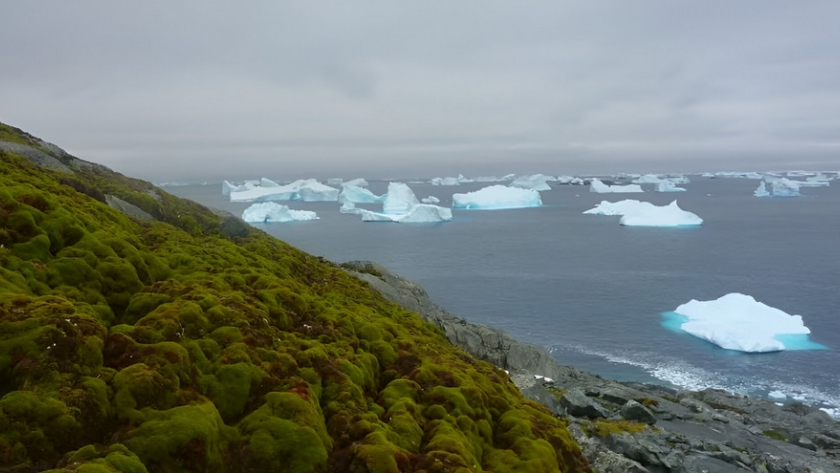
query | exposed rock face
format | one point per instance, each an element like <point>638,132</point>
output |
<point>35,155</point>
<point>127,208</point>
<point>694,432</point>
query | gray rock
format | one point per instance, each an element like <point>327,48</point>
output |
<point>35,155</point>
<point>127,208</point>
<point>805,442</point>
<point>825,441</point>
<point>539,393</point>
<point>633,410</point>
<point>620,394</point>
<point>579,405</point>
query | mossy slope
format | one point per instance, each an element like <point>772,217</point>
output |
<point>164,346</point>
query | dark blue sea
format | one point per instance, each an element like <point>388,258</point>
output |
<point>593,291</point>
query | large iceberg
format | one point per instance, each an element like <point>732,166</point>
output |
<point>739,322</point>
<point>307,190</point>
<point>270,212</point>
<point>537,182</point>
<point>645,214</point>
<point>762,191</point>
<point>497,197</point>
<point>597,186</point>
<point>783,188</point>
<point>358,195</point>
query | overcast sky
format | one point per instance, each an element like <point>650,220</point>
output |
<point>206,90</point>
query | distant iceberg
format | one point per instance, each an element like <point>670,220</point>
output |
<point>335,181</point>
<point>228,187</point>
<point>400,205</point>
<point>778,187</point>
<point>307,190</point>
<point>430,200</point>
<point>645,214</point>
<point>762,191</point>
<point>450,181</point>
<point>497,197</point>
<point>270,212</point>
<point>421,213</point>
<point>537,182</point>
<point>597,186</point>
<point>742,175</point>
<point>358,195</point>
<point>738,322</point>
<point>358,182</point>
<point>399,199</point>
<point>668,186</point>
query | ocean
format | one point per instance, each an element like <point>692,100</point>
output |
<point>594,292</point>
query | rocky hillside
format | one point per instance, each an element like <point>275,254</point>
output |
<point>638,428</point>
<point>142,332</point>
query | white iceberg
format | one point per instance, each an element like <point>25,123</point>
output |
<point>358,182</point>
<point>430,200</point>
<point>761,191</point>
<point>645,214</point>
<point>335,181</point>
<point>784,188</point>
<point>228,187</point>
<point>537,182</point>
<point>399,199</point>
<point>497,197</point>
<point>350,208</point>
<point>307,190</point>
<point>668,186</point>
<point>420,213</point>
<point>450,181</point>
<point>597,186</point>
<point>777,395</point>
<point>647,179</point>
<point>270,212</point>
<point>358,195</point>
<point>739,322</point>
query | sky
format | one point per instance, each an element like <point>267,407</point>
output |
<point>206,90</point>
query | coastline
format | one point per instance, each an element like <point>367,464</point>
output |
<point>689,431</point>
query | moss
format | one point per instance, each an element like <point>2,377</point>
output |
<point>774,435</point>
<point>198,352</point>
<point>606,427</point>
<point>648,402</point>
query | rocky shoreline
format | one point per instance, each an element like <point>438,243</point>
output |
<point>633,427</point>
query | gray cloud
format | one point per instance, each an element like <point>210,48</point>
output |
<point>212,89</point>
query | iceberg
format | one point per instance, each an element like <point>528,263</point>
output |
<point>497,197</point>
<point>399,200</point>
<point>430,200</point>
<point>597,186</point>
<point>537,182</point>
<point>761,191</point>
<point>420,213</point>
<point>227,187</point>
<point>349,208</point>
<point>270,212</point>
<point>358,195</point>
<point>307,190</point>
<point>647,179</point>
<point>449,181</point>
<point>358,182</point>
<point>739,322</point>
<point>784,188</point>
<point>335,181</point>
<point>644,214</point>
<point>668,186</point>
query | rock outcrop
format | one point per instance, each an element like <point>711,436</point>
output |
<point>632,427</point>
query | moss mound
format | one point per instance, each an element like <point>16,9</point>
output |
<point>175,346</point>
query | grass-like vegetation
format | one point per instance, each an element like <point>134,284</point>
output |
<point>605,427</point>
<point>172,346</point>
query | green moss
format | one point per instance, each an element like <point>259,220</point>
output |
<point>199,352</point>
<point>774,435</point>
<point>606,427</point>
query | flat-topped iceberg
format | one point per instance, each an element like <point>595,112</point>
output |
<point>420,213</point>
<point>450,181</point>
<point>739,322</point>
<point>644,214</point>
<point>270,212</point>
<point>597,186</point>
<point>497,197</point>
<point>358,195</point>
<point>668,186</point>
<point>537,182</point>
<point>307,190</point>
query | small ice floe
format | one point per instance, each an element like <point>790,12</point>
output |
<point>777,395</point>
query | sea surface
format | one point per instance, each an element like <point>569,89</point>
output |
<point>594,292</point>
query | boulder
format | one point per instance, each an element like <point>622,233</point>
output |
<point>633,410</point>
<point>579,405</point>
